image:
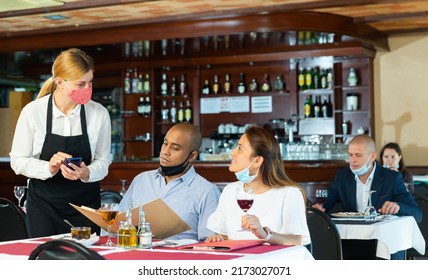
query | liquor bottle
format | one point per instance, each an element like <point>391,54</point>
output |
<point>323,78</point>
<point>254,86</point>
<point>279,84</point>
<point>352,78</point>
<point>266,84</point>
<point>241,85</point>
<point>127,83</point>
<point>148,107</point>
<point>127,235</point>
<point>324,108</point>
<point>216,85</point>
<point>301,79</point>
<point>188,112</point>
<point>307,107</point>
<point>227,85</point>
<point>146,84</point>
<point>308,35</point>
<point>164,112</point>
<point>329,78</point>
<point>329,107</point>
<point>183,85</point>
<point>173,112</point>
<point>173,87</point>
<point>164,85</point>
<point>308,78</point>
<point>206,90</point>
<point>140,83</point>
<point>317,107</point>
<point>316,78</point>
<point>180,112</point>
<point>141,107</point>
<point>300,37</point>
<point>134,82</point>
<point>164,46</point>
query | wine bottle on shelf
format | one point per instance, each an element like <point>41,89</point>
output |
<point>307,107</point>
<point>329,107</point>
<point>317,107</point>
<point>316,78</point>
<point>173,112</point>
<point>148,107</point>
<point>141,107</point>
<point>173,87</point>
<point>227,85</point>
<point>127,83</point>
<point>329,78</point>
<point>164,112</point>
<point>254,86</point>
<point>324,108</point>
<point>279,84</point>
<point>266,84</point>
<point>308,78</point>
<point>301,79</point>
<point>164,85</point>
<point>140,83</point>
<point>146,84</point>
<point>188,112</point>
<point>323,78</point>
<point>216,85</point>
<point>134,82</point>
<point>206,90</point>
<point>183,85</point>
<point>241,85</point>
<point>180,112</point>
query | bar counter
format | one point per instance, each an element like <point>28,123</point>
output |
<point>309,174</point>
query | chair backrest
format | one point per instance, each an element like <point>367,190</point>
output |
<point>12,219</point>
<point>110,196</point>
<point>63,249</point>
<point>326,243</point>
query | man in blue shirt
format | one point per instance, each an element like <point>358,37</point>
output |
<point>176,182</point>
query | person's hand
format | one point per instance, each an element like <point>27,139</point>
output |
<point>56,161</point>
<point>319,207</point>
<point>215,238</point>
<point>252,223</point>
<point>74,172</point>
<point>389,208</point>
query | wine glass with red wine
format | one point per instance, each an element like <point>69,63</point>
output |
<point>321,196</point>
<point>245,199</point>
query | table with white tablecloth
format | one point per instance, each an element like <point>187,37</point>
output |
<point>392,234</point>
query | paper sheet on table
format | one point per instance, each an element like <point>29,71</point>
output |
<point>164,222</point>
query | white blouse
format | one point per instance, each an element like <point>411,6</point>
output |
<point>30,135</point>
<point>281,209</point>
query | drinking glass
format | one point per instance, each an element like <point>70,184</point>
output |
<point>321,195</point>
<point>245,199</point>
<point>123,190</point>
<point>370,212</point>
<point>109,212</point>
<point>19,192</point>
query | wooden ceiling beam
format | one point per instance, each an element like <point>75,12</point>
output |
<point>391,17</point>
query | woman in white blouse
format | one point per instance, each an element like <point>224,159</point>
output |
<point>278,213</point>
<point>63,122</point>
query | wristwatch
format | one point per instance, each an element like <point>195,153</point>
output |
<point>268,232</point>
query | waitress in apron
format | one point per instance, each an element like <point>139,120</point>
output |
<point>63,122</point>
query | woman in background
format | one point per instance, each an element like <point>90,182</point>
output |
<point>391,157</point>
<point>63,122</point>
<point>278,213</point>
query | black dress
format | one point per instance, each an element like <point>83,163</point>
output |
<point>48,200</point>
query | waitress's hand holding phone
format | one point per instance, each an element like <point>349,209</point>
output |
<point>72,168</point>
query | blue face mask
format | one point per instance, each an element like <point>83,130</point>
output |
<point>362,170</point>
<point>244,175</point>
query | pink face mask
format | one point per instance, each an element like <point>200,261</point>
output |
<point>80,96</point>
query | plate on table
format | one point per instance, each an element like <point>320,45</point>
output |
<point>348,215</point>
<point>86,242</point>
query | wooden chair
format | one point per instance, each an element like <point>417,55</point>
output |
<point>63,249</point>
<point>325,238</point>
<point>12,219</point>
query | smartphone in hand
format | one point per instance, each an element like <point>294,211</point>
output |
<point>77,161</point>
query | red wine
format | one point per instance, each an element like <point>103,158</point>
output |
<point>245,204</point>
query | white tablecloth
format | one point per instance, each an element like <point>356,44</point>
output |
<point>396,234</point>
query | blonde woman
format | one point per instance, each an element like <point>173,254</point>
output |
<point>278,213</point>
<point>63,122</point>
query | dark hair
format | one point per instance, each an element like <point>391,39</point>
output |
<point>272,170</point>
<point>396,147</point>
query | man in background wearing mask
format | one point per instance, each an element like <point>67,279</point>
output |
<point>352,185</point>
<point>176,182</point>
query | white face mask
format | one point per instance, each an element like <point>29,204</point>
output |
<point>388,166</point>
<point>362,170</point>
<point>244,175</point>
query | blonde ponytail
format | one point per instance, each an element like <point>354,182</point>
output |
<point>48,87</point>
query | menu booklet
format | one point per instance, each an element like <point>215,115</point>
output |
<point>225,245</point>
<point>164,222</point>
